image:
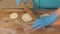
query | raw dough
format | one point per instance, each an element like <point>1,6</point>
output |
<point>26,17</point>
<point>13,15</point>
<point>44,15</point>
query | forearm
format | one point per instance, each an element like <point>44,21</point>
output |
<point>57,13</point>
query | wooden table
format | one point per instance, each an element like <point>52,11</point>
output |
<point>19,27</point>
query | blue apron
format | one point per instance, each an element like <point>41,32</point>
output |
<point>43,3</point>
<point>46,4</point>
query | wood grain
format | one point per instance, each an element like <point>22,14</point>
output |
<point>20,27</point>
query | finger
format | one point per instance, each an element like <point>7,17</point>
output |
<point>39,27</point>
<point>37,22</point>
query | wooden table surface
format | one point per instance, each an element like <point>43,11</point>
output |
<point>17,26</point>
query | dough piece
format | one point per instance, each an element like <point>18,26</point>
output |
<point>44,15</point>
<point>26,17</point>
<point>13,15</point>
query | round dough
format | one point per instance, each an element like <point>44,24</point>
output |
<point>26,17</point>
<point>44,15</point>
<point>13,15</point>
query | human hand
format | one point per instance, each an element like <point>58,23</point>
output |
<point>47,20</point>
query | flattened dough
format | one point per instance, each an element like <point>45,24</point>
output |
<point>44,15</point>
<point>26,17</point>
<point>13,15</point>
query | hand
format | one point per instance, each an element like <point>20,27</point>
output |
<point>44,21</point>
<point>47,20</point>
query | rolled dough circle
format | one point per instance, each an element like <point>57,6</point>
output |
<point>26,17</point>
<point>13,15</point>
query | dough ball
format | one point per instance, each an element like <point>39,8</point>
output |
<point>26,17</point>
<point>13,15</point>
<point>44,15</point>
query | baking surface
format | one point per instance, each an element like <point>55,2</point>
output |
<point>17,26</point>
